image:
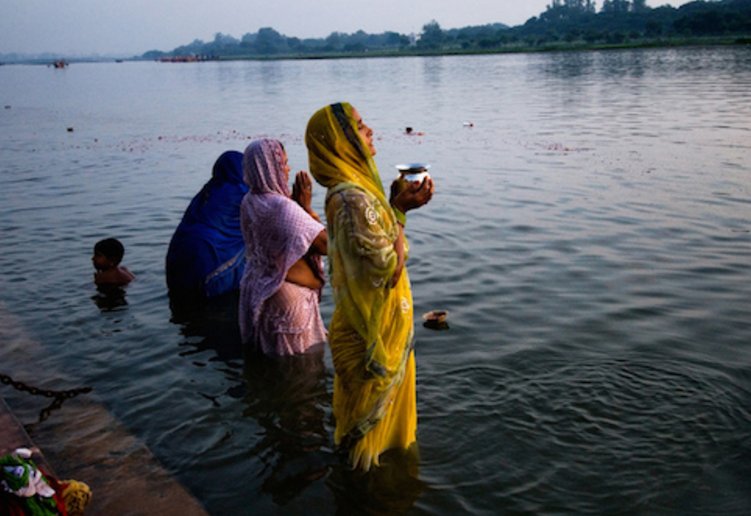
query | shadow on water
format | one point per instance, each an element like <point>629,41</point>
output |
<point>287,396</point>
<point>109,298</point>
<point>208,325</point>
<point>391,488</point>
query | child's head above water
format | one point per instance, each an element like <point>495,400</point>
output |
<point>108,253</point>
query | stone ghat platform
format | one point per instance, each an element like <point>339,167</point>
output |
<point>83,441</point>
<point>124,477</point>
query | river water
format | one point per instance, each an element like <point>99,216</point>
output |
<point>590,237</point>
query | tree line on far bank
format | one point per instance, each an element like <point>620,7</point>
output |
<point>564,23</point>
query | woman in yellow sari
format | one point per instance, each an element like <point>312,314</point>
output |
<point>371,330</point>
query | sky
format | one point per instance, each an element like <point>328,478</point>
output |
<point>131,27</point>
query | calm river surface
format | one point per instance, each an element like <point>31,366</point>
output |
<point>590,238</point>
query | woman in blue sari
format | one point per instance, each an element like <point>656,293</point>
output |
<point>206,254</point>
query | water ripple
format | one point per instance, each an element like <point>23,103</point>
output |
<point>615,432</point>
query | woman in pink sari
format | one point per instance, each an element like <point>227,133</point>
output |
<point>284,240</point>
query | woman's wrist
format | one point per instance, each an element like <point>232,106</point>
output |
<point>401,218</point>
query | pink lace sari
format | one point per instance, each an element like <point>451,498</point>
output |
<point>276,317</point>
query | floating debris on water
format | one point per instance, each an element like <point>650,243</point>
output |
<point>436,320</point>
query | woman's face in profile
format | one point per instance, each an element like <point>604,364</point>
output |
<point>285,166</point>
<point>366,133</point>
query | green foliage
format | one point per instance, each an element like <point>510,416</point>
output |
<point>565,23</point>
<point>432,36</point>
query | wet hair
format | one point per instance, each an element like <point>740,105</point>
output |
<point>111,248</point>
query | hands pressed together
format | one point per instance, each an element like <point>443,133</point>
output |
<point>302,192</point>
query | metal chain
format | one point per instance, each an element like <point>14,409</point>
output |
<point>72,393</point>
<point>59,396</point>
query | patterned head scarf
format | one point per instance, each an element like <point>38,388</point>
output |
<point>276,230</point>
<point>263,167</point>
<point>371,330</point>
<point>336,152</point>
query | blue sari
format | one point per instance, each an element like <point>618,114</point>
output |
<point>206,256</point>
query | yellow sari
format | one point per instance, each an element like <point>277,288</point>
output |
<point>371,330</point>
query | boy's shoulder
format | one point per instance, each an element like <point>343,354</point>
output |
<point>119,275</point>
<point>125,273</point>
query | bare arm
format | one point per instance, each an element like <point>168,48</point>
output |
<point>321,243</point>
<point>399,250</point>
<point>301,273</point>
<point>413,196</point>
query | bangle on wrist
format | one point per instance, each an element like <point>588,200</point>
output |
<point>401,218</point>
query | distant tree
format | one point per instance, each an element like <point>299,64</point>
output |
<point>709,23</point>
<point>653,29</point>
<point>639,6</point>
<point>615,6</point>
<point>394,39</point>
<point>295,44</point>
<point>587,6</point>
<point>432,36</point>
<point>334,41</point>
<point>269,41</point>
<point>575,5</point>
<point>563,20</point>
<point>223,44</point>
<point>195,47</point>
<point>153,54</point>
<point>358,38</point>
<point>224,39</point>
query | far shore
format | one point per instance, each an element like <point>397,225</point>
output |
<point>520,49</point>
<point>558,46</point>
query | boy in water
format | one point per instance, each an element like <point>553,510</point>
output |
<point>107,256</point>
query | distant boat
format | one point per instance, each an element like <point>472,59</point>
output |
<point>182,59</point>
<point>60,63</point>
<point>118,60</point>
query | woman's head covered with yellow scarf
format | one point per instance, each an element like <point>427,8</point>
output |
<point>370,333</point>
<point>337,152</point>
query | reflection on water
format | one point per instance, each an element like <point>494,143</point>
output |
<point>208,325</point>
<point>287,396</point>
<point>109,298</point>
<point>391,488</point>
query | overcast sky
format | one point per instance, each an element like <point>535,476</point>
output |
<point>131,27</point>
